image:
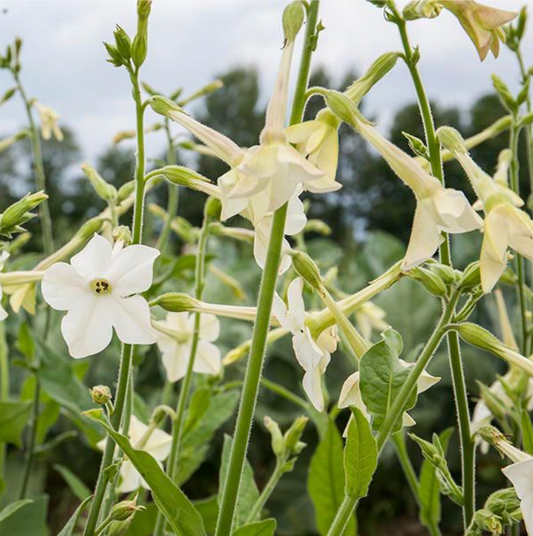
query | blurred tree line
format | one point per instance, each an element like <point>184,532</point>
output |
<point>371,198</point>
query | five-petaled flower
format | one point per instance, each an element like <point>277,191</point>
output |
<point>313,356</point>
<point>142,437</point>
<point>100,290</point>
<point>175,338</point>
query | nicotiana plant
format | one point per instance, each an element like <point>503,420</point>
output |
<point>110,278</point>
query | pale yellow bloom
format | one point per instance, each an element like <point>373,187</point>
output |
<point>370,317</point>
<point>49,122</point>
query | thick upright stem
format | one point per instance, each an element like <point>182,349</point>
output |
<point>127,349</point>
<point>4,388</point>
<point>433,144</point>
<point>254,369</point>
<point>529,134</point>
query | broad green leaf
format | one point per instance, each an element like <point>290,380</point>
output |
<point>71,524</point>
<point>28,520</point>
<point>248,492</point>
<point>10,509</point>
<point>198,435</point>
<point>174,505</point>
<point>326,483</point>
<point>26,344</point>
<point>360,456</point>
<point>382,377</point>
<point>208,509</point>
<point>143,523</point>
<point>13,418</point>
<point>78,488</point>
<point>430,511</point>
<point>261,528</point>
<point>527,432</point>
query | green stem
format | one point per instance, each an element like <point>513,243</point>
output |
<point>273,481</point>
<point>461,395</point>
<point>254,369</point>
<point>127,349</point>
<point>343,515</point>
<point>177,427</point>
<point>286,393</point>
<point>38,166</point>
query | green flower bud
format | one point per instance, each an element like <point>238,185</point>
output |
<point>202,92</point>
<point>87,230</point>
<point>122,233</point>
<point>293,19</point>
<point>213,208</point>
<point>125,510</point>
<point>103,189</point>
<point>306,267</point>
<point>101,394</point>
<point>471,277</point>
<point>19,213</point>
<point>431,281</point>
<point>123,43</point>
<point>176,302</point>
<point>422,9</point>
<point>125,191</point>
<point>160,413</point>
<point>278,445</point>
<point>317,226</point>
<point>7,95</point>
<point>452,140</point>
<point>293,435</point>
<point>143,8</point>
<point>115,58</point>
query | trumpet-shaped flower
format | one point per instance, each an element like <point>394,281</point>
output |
<point>438,209</point>
<point>313,356</point>
<point>3,258</point>
<point>294,224</point>
<point>100,290</point>
<point>49,122</point>
<point>505,224</point>
<point>175,337</point>
<point>520,474</point>
<point>142,437</point>
<point>351,392</point>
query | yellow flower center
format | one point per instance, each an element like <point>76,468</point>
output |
<point>101,286</point>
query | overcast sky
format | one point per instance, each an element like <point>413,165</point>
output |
<point>191,41</point>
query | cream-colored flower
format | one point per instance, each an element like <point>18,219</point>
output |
<point>175,335</point>
<point>142,437</point>
<point>313,356</point>
<point>483,24</point>
<point>520,474</point>
<point>505,224</point>
<point>49,122</point>
<point>438,209</point>
<point>370,317</point>
<point>3,258</point>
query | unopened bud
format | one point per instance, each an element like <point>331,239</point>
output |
<point>19,212</point>
<point>176,302</point>
<point>160,413</point>
<point>122,233</point>
<point>471,277</point>
<point>123,135</point>
<point>236,354</point>
<point>103,189</point>
<point>87,230</point>
<point>101,394</point>
<point>493,436</point>
<point>422,9</point>
<point>125,191</point>
<point>213,208</point>
<point>317,226</point>
<point>8,94</point>
<point>125,510</point>
<point>278,445</point>
<point>452,140</point>
<point>307,268</point>
<point>294,434</point>
<point>122,43</point>
<point>143,8</point>
<point>293,19</point>
<point>202,92</point>
<point>431,281</point>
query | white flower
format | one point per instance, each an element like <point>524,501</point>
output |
<point>351,392</point>
<point>295,223</point>
<point>370,317</point>
<point>438,209</point>
<point>3,258</point>
<point>174,340</point>
<point>49,120</point>
<point>521,475</point>
<point>100,290</point>
<point>142,437</point>
<point>313,356</point>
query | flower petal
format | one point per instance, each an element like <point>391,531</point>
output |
<point>62,286</point>
<point>208,360</point>
<point>209,327</point>
<point>130,479</point>
<point>312,384</point>
<point>174,356</point>
<point>159,445</point>
<point>131,319</point>
<point>94,259</point>
<point>131,270</point>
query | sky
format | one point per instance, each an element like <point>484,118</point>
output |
<point>192,41</point>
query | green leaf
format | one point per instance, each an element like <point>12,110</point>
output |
<point>430,504</point>
<point>248,492</point>
<point>382,377</point>
<point>261,528</point>
<point>10,509</point>
<point>527,432</point>
<point>25,344</point>
<point>70,526</point>
<point>208,509</point>
<point>173,503</point>
<point>78,488</point>
<point>326,480</point>
<point>200,429</point>
<point>360,456</point>
<point>13,419</point>
<point>28,520</point>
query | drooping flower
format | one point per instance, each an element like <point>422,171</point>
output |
<point>294,224</point>
<point>313,356</point>
<point>100,290</point>
<point>175,337</point>
<point>142,437</point>
<point>3,258</point>
<point>49,122</point>
<point>505,224</point>
<point>370,317</point>
<point>438,210</point>
<point>351,392</point>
